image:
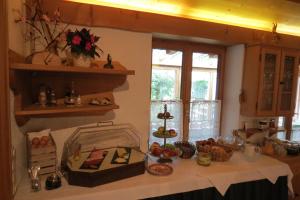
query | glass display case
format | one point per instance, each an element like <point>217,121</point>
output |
<point>101,154</point>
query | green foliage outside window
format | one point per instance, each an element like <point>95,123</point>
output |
<point>162,87</point>
<point>199,89</point>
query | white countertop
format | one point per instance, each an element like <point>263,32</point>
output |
<point>187,176</point>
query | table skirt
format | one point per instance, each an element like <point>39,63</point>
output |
<point>254,190</point>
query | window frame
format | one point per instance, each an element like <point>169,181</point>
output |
<point>188,48</point>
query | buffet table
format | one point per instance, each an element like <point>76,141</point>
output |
<point>258,190</point>
<point>294,164</point>
<point>187,176</point>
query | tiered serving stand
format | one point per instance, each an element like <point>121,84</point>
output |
<point>165,133</point>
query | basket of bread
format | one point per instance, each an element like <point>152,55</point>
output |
<point>218,151</point>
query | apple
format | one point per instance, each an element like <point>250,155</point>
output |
<point>172,132</point>
<point>169,153</point>
<point>43,143</point>
<point>46,138</point>
<point>154,145</point>
<point>35,141</point>
<point>156,151</point>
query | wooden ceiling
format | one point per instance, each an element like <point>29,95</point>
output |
<point>104,16</point>
<point>256,14</point>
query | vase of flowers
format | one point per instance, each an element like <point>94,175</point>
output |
<point>82,46</point>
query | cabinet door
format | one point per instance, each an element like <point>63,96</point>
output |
<point>288,82</point>
<point>268,85</point>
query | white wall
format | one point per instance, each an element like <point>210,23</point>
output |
<point>133,50</point>
<point>232,87</point>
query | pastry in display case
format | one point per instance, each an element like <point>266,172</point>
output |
<point>101,154</point>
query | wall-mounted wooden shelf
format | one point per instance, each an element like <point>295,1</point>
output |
<point>117,70</point>
<point>62,110</point>
<point>89,82</point>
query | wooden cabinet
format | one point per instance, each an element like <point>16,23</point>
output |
<point>269,81</point>
<point>26,79</point>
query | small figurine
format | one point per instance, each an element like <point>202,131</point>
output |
<point>109,62</point>
<point>42,96</point>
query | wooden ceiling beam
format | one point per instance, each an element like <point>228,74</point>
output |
<point>100,16</point>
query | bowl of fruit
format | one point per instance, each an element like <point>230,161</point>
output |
<point>187,149</point>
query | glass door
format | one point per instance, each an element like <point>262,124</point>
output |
<point>268,87</point>
<point>288,82</point>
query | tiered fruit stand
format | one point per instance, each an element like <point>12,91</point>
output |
<point>162,132</point>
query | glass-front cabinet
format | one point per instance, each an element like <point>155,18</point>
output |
<point>269,81</point>
<point>269,75</point>
<point>287,82</point>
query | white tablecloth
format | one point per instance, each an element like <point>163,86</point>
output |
<point>187,176</point>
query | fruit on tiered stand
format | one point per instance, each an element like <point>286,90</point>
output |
<point>166,151</point>
<point>161,133</point>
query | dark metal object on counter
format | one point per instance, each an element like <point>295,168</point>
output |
<point>53,181</point>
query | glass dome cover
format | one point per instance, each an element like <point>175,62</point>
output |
<point>102,136</point>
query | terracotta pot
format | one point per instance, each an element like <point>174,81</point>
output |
<point>82,61</point>
<point>46,58</point>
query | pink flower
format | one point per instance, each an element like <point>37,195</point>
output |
<point>88,46</point>
<point>76,40</point>
<point>92,38</point>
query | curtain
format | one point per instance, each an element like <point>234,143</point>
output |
<point>204,119</point>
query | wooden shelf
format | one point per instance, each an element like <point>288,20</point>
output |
<point>94,82</point>
<point>117,70</point>
<point>38,111</point>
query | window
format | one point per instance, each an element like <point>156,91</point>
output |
<point>186,77</point>
<point>166,74</point>
<point>295,135</point>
